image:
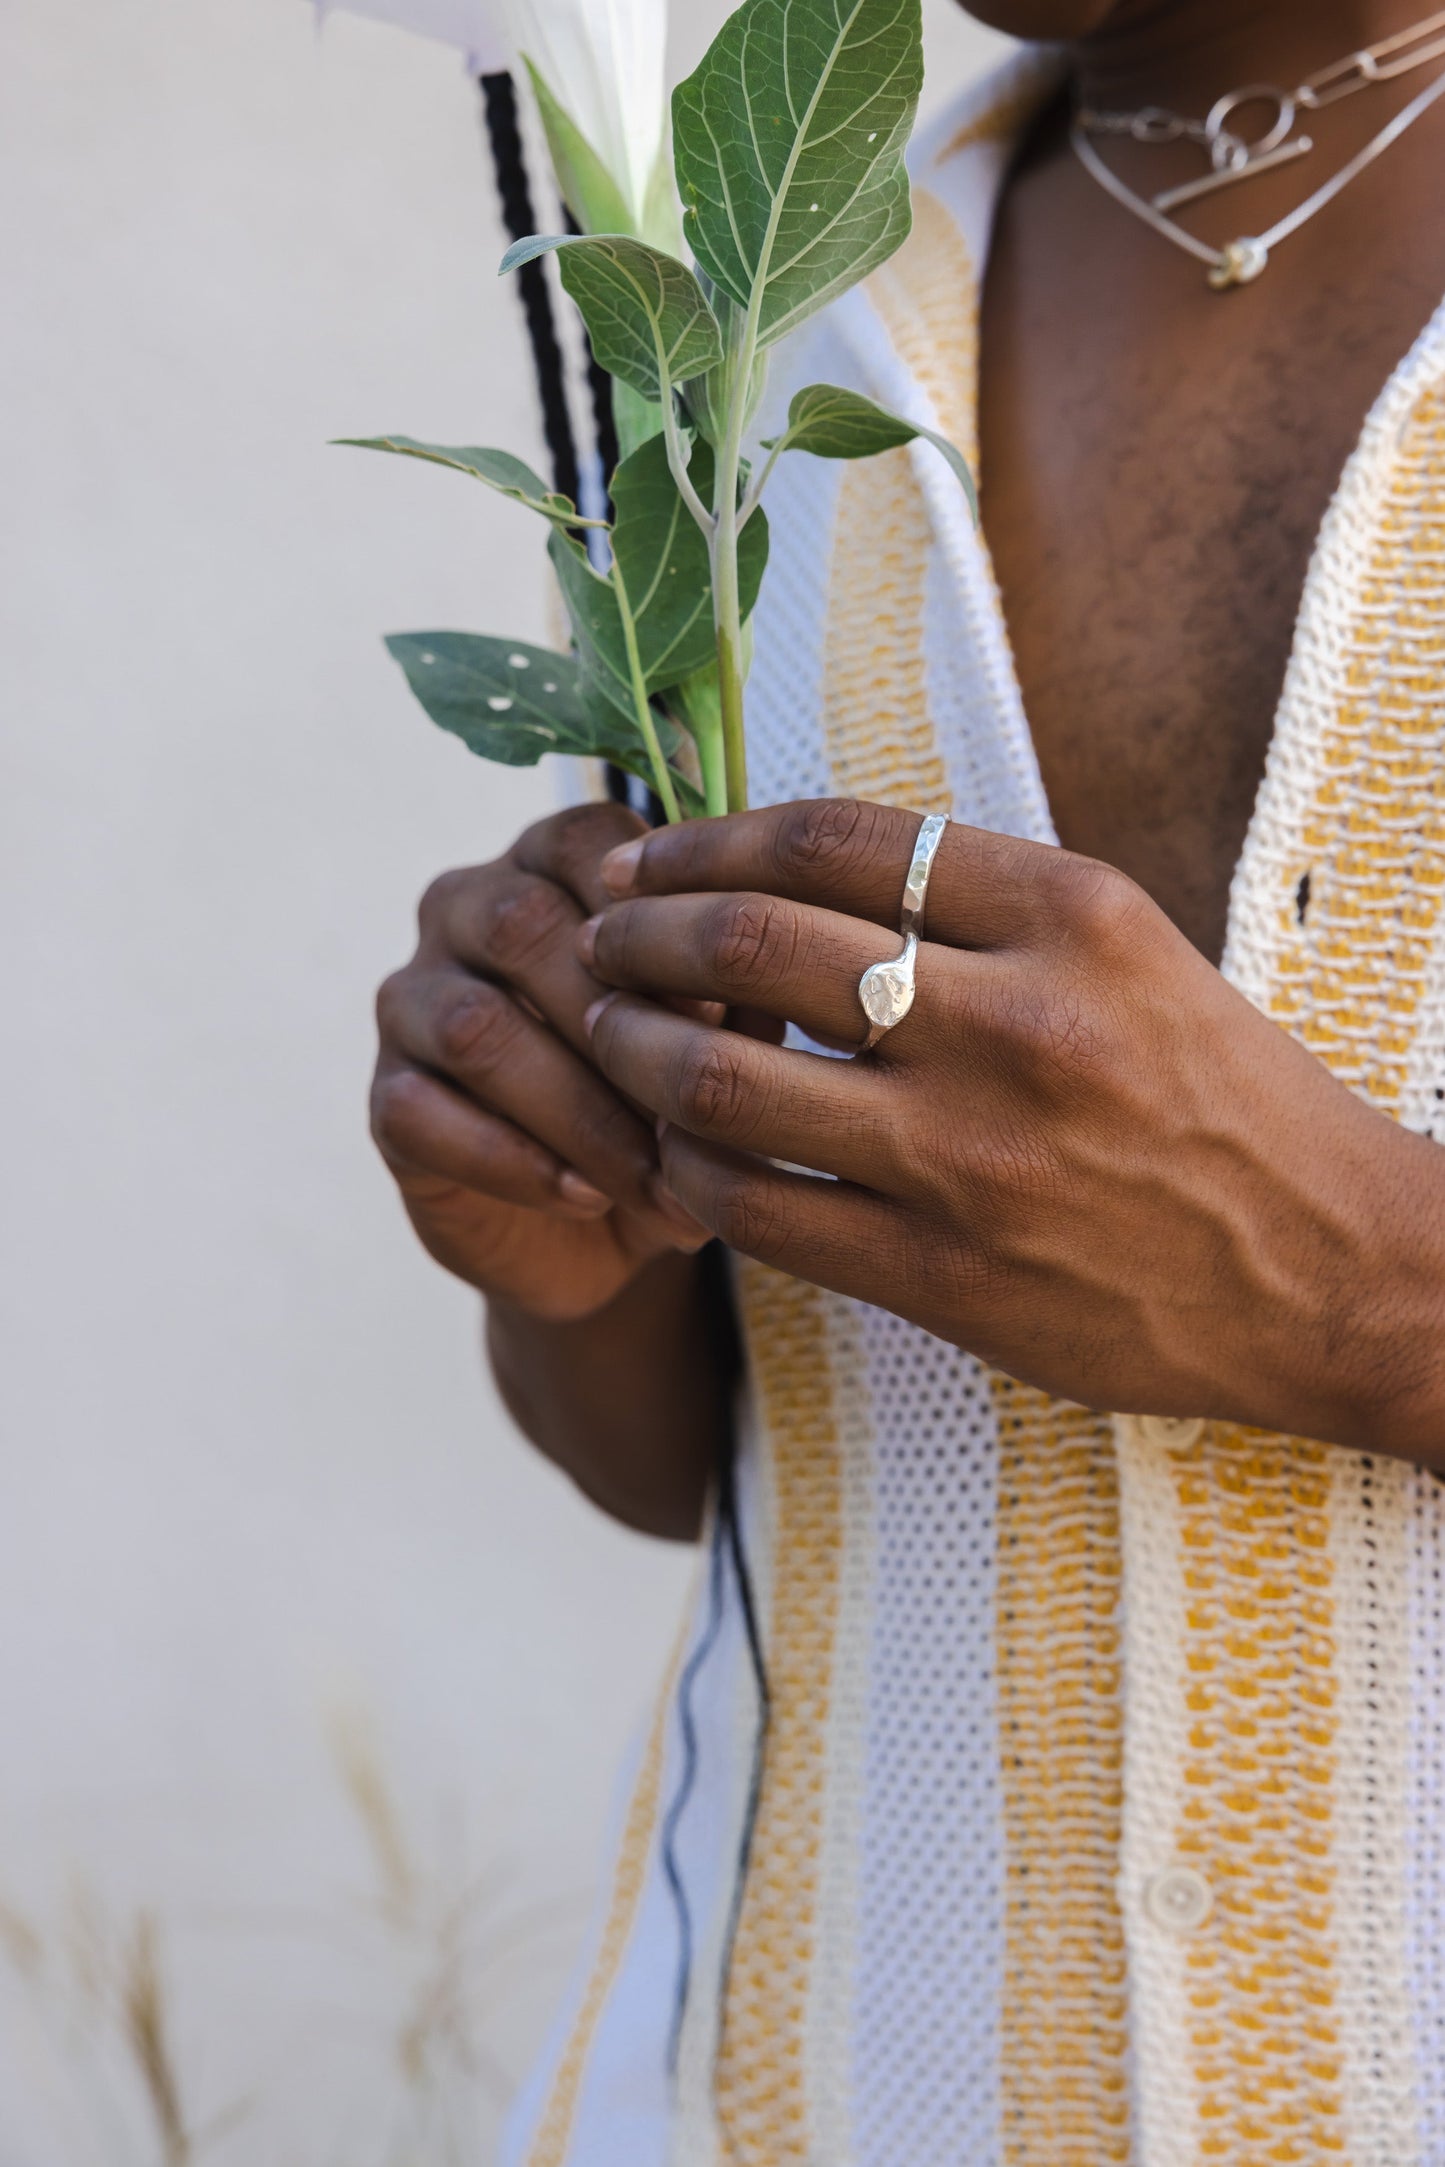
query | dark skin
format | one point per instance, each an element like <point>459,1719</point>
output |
<point>1192,440</point>
<point>1082,1156</point>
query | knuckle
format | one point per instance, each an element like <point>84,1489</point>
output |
<point>578,836</point>
<point>390,999</point>
<point>475,1025</point>
<point>1100,905</point>
<point>526,919</point>
<point>745,1215</point>
<point>826,832</point>
<point>746,938</point>
<point>437,899</point>
<point>396,1104</point>
<point>710,1091</point>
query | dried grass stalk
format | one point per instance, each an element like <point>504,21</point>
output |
<point>143,2008</point>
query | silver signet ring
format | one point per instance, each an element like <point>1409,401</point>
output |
<point>886,991</point>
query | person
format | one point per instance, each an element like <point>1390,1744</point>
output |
<point>1053,1764</point>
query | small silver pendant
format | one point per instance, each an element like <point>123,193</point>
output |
<point>1240,264</point>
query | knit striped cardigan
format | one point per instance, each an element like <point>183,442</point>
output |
<point>1033,1786</point>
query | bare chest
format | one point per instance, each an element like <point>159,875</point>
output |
<point>1155,464</point>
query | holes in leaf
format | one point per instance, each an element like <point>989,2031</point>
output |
<point>499,702</point>
<point>428,657</point>
<point>519,662</point>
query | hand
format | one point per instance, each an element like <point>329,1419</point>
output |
<point>522,1170</point>
<point>1082,1155</point>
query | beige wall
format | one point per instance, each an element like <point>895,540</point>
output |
<point>252,1471</point>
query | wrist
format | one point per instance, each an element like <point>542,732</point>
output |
<point>1385,1326</point>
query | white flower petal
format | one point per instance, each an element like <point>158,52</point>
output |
<point>474,27</point>
<point>605,62</point>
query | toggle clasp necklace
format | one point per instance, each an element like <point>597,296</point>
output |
<point>1235,155</point>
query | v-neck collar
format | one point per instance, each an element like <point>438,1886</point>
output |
<point>964,159</point>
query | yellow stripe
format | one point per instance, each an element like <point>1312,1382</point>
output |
<point>877,729</point>
<point>927,296</point>
<point>1262,1681</point>
<point>1260,1696</point>
<point>1064,2016</point>
<point>761,2077</point>
<point>554,2131</point>
<point>1353,978</point>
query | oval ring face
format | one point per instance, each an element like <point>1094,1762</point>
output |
<point>1230,150</point>
<point>886,990</point>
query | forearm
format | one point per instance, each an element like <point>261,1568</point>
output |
<point>634,1402</point>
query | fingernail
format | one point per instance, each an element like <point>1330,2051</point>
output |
<point>589,1021</point>
<point>619,867</point>
<point>587,940</point>
<point>581,1194</point>
<point>676,1212</point>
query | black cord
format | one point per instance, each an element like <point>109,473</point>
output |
<point>499,100</point>
<point>687,1781</point>
<point>728,1520</point>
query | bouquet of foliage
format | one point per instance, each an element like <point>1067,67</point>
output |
<point>788,162</point>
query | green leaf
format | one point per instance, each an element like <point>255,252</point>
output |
<point>789,148</point>
<point>513,703</point>
<point>662,558</point>
<point>836,424</point>
<point>498,469</point>
<point>588,189</point>
<point>646,314</point>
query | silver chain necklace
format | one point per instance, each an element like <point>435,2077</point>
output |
<point>1234,157</point>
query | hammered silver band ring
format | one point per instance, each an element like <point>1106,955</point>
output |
<point>886,990</point>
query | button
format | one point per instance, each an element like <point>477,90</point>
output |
<point>1178,1899</point>
<point>1173,1433</point>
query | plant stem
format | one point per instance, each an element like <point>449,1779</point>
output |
<point>712,755</point>
<point>730,663</point>
<point>759,482</point>
<point>677,461</point>
<point>727,614</point>
<point>646,721</point>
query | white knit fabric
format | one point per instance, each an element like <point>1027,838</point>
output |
<point>1424,1810</point>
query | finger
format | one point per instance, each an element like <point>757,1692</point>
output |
<point>749,951</point>
<point>844,855</point>
<point>569,848</point>
<point>522,931</point>
<point>803,1107</point>
<point>828,1232</point>
<point>473,1035</point>
<point>422,1126</point>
